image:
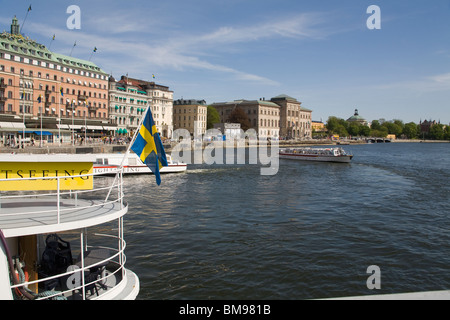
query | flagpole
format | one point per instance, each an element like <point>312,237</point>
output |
<point>59,116</point>
<point>128,151</point>
<point>71,51</point>
<point>53,39</point>
<point>92,53</point>
<point>21,29</point>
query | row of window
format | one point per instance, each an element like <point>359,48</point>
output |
<point>52,111</point>
<point>58,67</point>
<point>200,118</point>
<point>190,110</point>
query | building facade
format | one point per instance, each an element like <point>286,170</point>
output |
<point>38,86</point>
<point>190,115</point>
<point>129,99</point>
<point>127,104</point>
<point>264,116</point>
<point>295,120</point>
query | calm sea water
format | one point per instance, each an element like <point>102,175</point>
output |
<point>311,231</point>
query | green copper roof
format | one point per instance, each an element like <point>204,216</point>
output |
<point>16,44</point>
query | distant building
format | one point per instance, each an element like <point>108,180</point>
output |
<point>190,115</point>
<point>65,92</point>
<point>129,98</point>
<point>264,116</point>
<point>318,126</point>
<point>426,125</point>
<point>357,118</point>
<point>229,130</point>
<point>295,120</point>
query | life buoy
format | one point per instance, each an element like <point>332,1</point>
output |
<point>27,278</point>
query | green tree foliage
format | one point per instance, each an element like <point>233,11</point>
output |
<point>411,130</point>
<point>447,133</point>
<point>212,117</point>
<point>437,132</point>
<point>239,116</point>
<point>382,129</point>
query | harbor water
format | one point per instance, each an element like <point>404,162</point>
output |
<point>310,231</point>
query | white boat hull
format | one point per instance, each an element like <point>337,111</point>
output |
<point>108,164</point>
<point>105,169</point>
<point>316,154</point>
<point>342,159</point>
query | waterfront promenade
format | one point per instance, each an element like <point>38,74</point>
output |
<point>121,148</point>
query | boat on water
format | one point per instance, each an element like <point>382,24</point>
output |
<point>61,234</point>
<point>109,162</point>
<point>316,154</point>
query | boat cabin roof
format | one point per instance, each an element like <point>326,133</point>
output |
<point>47,158</point>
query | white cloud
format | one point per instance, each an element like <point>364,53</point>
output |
<point>180,52</point>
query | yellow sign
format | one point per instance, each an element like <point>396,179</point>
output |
<point>51,171</point>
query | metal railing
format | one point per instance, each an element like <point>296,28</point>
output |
<point>115,265</point>
<point>75,196</point>
<point>106,194</point>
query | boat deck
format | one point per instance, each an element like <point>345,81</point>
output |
<point>20,217</point>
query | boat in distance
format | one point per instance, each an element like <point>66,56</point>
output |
<point>316,154</point>
<point>107,163</point>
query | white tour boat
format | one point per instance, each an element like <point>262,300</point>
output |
<point>108,163</point>
<point>61,235</point>
<point>316,154</point>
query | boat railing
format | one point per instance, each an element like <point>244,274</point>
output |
<point>75,280</point>
<point>112,194</point>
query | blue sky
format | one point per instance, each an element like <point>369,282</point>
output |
<point>320,52</point>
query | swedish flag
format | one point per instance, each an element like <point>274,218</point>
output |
<point>149,148</point>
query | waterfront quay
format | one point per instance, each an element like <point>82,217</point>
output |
<point>121,148</point>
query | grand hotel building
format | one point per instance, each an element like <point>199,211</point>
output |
<point>64,94</point>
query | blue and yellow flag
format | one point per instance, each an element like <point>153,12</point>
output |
<point>149,148</point>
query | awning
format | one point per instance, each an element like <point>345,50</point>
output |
<point>6,125</point>
<point>75,127</point>
<point>12,125</point>
<point>44,133</point>
<point>95,127</point>
<point>63,126</point>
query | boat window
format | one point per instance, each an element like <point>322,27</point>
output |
<point>101,161</point>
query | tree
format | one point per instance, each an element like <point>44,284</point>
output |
<point>447,133</point>
<point>354,129</point>
<point>375,125</point>
<point>393,127</point>
<point>337,125</point>
<point>437,132</point>
<point>212,117</point>
<point>381,133</point>
<point>239,116</point>
<point>410,130</point>
<point>364,131</point>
